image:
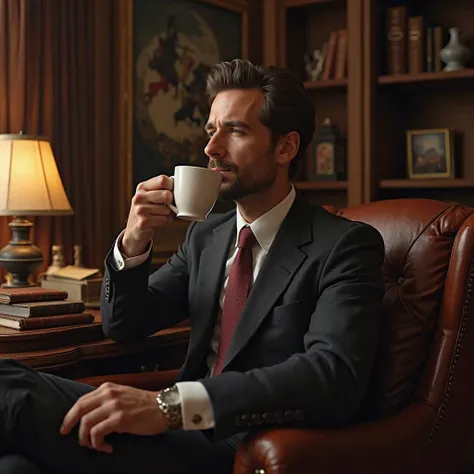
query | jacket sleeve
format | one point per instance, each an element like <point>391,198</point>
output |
<point>324,385</point>
<point>135,304</point>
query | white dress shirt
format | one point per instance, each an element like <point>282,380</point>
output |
<point>196,406</point>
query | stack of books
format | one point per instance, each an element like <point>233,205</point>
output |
<point>39,308</point>
<point>80,283</point>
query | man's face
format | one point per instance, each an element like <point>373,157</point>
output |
<point>239,144</point>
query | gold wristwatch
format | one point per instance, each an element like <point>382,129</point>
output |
<point>169,402</point>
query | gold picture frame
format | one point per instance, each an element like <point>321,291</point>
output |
<point>430,153</point>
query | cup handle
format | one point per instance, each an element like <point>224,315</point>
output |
<point>171,206</point>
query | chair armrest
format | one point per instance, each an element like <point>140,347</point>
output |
<point>387,446</point>
<point>145,380</point>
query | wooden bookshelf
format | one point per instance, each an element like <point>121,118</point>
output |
<point>295,27</point>
<point>427,77</point>
<point>375,109</point>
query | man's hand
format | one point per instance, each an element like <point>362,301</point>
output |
<point>113,408</point>
<point>148,212</point>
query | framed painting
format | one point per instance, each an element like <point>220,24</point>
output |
<point>430,153</point>
<point>166,47</point>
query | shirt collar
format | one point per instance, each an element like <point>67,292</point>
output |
<point>266,227</point>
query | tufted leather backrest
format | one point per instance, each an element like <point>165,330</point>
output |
<point>427,243</point>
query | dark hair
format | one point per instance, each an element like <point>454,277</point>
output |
<point>287,106</point>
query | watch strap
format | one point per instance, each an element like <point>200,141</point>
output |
<point>171,411</point>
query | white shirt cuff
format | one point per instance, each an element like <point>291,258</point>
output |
<point>121,262</point>
<point>196,407</point>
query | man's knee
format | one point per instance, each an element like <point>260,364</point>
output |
<point>11,365</point>
<point>17,464</point>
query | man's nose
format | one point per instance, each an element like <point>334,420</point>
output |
<point>214,147</point>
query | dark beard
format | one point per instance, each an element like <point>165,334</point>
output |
<point>239,190</point>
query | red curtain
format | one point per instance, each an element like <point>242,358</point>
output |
<point>58,66</point>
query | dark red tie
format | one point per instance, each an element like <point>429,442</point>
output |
<point>237,290</point>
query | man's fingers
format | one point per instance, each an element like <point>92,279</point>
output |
<point>99,431</point>
<point>156,183</point>
<point>88,422</point>
<point>162,196</point>
<point>84,405</point>
<point>152,210</point>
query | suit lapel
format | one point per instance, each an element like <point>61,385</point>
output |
<point>281,264</point>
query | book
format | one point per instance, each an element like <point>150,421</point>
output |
<point>87,290</point>
<point>330,62</point>
<point>416,40</point>
<point>30,294</point>
<point>71,272</point>
<point>23,324</point>
<point>429,49</point>
<point>437,46</point>
<point>42,308</point>
<point>341,56</point>
<point>396,40</point>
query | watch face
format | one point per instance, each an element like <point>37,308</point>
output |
<point>171,397</point>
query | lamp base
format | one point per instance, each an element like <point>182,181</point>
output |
<point>20,257</point>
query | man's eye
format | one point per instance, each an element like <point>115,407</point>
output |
<point>210,134</point>
<point>236,130</point>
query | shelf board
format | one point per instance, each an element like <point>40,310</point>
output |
<point>326,84</point>
<point>320,185</point>
<point>426,77</point>
<point>426,183</point>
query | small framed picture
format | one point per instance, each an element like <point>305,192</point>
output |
<point>430,153</point>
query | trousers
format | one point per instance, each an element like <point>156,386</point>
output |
<point>32,407</point>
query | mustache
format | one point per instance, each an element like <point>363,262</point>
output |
<point>221,164</point>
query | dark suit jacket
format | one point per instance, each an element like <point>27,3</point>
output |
<point>305,345</point>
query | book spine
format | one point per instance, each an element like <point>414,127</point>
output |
<point>331,57</point>
<point>73,307</point>
<point>429,50</point>
<point>415,45</point>
<point>56,321</point>
<point>437,47</point>
<point>341,57</point>
<point>30,297</point>
<point>396,40</point>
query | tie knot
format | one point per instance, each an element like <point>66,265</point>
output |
<point>246,238</point>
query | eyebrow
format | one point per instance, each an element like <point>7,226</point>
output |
<point>227,123</point>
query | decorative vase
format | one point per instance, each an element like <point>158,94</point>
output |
<point>454,54</point>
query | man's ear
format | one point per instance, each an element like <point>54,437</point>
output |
<point>287,147</point>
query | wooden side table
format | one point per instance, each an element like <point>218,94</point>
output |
<point>82,350</point>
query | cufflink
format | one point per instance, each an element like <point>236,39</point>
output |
<point>196,419</point>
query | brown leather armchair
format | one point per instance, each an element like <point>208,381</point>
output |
<point>418,412</point>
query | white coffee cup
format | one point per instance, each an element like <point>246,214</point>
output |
<point>195,192</point>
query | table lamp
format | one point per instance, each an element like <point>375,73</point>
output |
<point>30,185</point>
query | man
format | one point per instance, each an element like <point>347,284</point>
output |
<point>295,349</point>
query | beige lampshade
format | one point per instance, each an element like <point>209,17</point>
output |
<point>29,179</point>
